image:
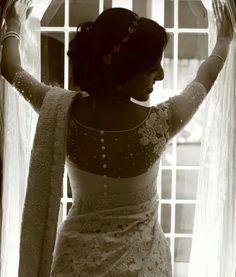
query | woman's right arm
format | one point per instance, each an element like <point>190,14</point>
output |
<point>211,67</point>
<point>182,107</point>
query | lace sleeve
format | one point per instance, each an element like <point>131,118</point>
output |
<point>32,90</point>
<point>185,105</point>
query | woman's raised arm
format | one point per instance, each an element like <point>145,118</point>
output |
<point>11,69</point>
<point>182,107</point>
<point>211,67</point>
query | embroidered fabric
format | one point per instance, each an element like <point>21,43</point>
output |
<point>42,199</point>
<point>25,83</point>
<point>135,150</point>
<point>195,94</point>
<point>112,228</point>
<point>132,152</point>
<point>115,235</point>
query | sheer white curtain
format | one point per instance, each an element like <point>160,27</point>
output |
<point>19,129</point>
<point>214,238</point>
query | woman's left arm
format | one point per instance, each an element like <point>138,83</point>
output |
<point>11,69</point>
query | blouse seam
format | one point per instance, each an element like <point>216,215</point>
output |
<point>116,131</point>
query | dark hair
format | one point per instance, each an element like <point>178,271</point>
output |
<point>95,40</point>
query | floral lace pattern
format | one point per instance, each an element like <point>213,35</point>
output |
<point>122,241</point>
<point>137,149</point>
<point>155,130</point>
<point>111,235</point>
<point>115,235</point>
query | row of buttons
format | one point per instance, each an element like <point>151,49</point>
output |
<point>103,148</point>
<point>104,165</point>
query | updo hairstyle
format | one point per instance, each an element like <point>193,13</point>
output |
<point>114,48</point>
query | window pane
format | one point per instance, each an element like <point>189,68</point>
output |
<point>168,63</point>
<point>83,10</point>
<point>107,4</point>
<point>184,218</point>
<point>168,157</point>
<point>52,58</point>
<point>192,133</point>
<point>166,217</point>
<point>69,205</point>
<point>193,49</point>
<point>71,82</point>
<point>166,177</point>
<point>55,14</point>
<point>186,184</point>
<point>69,192</point>
<point>60,216</point>
<point>192,14</point>
<point>182,249</point>
<point>169,14</point>
<point>181,269</point>
<point>140,7</point>
<point>188,154</point>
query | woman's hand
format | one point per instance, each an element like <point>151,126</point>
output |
<point>18,12</point>
<point>224,25</point>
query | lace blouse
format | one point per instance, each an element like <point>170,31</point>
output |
<point>132,152</point>
<point>124,153</point>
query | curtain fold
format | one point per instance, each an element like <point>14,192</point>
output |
<point>19,128</point>
<point>213,250</point>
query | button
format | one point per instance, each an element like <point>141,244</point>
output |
<point>103,147</point>
<point>101,132</point>
<point>102,140</point>
<point>103,156</point>
<point>104,166</point>
<point>105,193</point>
<point>105,186</point>
<point>104,176</point>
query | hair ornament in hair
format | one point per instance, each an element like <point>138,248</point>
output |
<point>116,48</point>
<point>85,27</point>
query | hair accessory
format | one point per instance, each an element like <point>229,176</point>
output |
<point>10,34</point>
<point>132,29</point>
<point>218,56</point>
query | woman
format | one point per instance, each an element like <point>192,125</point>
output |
<point>114,145</point>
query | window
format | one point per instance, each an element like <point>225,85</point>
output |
<point>187,25</point>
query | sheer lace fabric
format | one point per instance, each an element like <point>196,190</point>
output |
<point>29,88</point>
<point>113,234</point>
<point>112,228</point>
<point>119,153</point>
<point>132,152</point>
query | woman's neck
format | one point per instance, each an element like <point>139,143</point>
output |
<point>110,94</point>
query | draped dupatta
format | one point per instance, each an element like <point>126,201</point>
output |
<point>45,180</point>
<point>214,238</point>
